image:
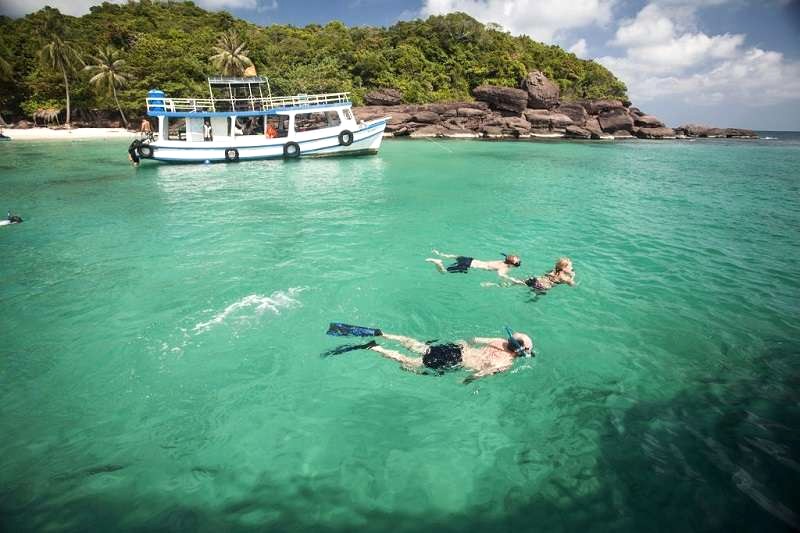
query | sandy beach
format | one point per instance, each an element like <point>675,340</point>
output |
<point>47,134</point>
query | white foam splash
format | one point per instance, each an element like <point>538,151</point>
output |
<point>253,305</point>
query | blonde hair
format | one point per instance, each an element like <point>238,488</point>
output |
<point>561,264</point>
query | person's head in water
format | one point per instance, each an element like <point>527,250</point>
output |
<point>513,260</point>
<point>520,344</point>
<point>564,264</point>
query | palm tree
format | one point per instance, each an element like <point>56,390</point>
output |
<point>59,55</point>
<point>108,73</point>
<point>231,55</point>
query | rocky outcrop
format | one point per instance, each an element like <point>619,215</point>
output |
<point>542,93</point>
<point>502,98</point>
<point>615,119</point>
<point>384,97</point>
<point>506,112</point>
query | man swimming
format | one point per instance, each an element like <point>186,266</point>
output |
<point>463,264</point>
<point>482,355</point>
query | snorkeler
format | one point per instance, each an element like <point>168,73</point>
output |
<point>483,356</point>
<point>133,154</point>
<point>11,219</point>
<point>463,264</point>
<point>562,273</point>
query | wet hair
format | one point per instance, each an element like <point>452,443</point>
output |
<point>513,260</point>
<point>561,264</point>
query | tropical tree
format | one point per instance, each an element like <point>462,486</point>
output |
<point>107,73</point>
<point>59,55</point>
<point>231,55</point>
<point>6,72</point>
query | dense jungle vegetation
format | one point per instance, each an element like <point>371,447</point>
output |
<point>173,46</point>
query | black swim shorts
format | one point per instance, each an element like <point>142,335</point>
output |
<point>442,357</point>
<point>462,264</point>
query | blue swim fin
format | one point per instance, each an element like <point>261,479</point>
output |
<point>337,329</point>
<point>349,348</point>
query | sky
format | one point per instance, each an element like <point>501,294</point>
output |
<point>727,63</point>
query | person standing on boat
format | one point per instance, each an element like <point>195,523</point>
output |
<point>463,264</point>
<point>207,131</point>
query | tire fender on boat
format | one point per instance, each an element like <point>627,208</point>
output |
<point>231,154</point>
<point>145,151</point>
<point>345,137</point>
<point>291,150</point>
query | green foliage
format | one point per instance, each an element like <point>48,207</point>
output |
<point>29,107</point>
<point>167,45</point>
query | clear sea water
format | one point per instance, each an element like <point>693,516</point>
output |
<point>162,327</point>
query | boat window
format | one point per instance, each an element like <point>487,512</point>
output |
<point>250,125</point>
<point>277,126</point>
<point>316,120</point>
<point>347,114</point>
<point>176,129</point>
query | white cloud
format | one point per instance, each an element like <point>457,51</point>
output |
<point>579,48</point>
<point>18,8</point>
<point>544,20</point>
<point>661,61</point>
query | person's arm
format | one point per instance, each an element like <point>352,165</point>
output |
<point>440,254</point>
<point>506,277</point>
<point>483,340</point>
<point>569,280</point>
<point>485,372</point>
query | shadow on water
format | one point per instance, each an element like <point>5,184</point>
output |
<point>723,455</point>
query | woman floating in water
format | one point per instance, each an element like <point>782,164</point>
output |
<point>562,273</point>
<point>463,264</point>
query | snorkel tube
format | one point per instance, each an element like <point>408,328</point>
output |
<point>518,348</point>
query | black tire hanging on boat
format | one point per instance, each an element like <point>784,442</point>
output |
<point>231,154</point>
<point>345,138</point>
<point>291,150</point>
<point>145,151</point>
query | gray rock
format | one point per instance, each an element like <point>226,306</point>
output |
<point>740,133</point>
<point>542,93</point>
<point>576,132</point>
<point>539,118</point>
<point>654,133</point>
<point>615,119</point>
<point>384,96</point>
<point>593,126</point>
<point>595,107</point>
<point>502,98</point>
<point>399,118</point>
<point>623,134</point>
<point>432,130</point>
<point>426,117</point>
<point>470,112</point>
<point>560,120</point>
<point>647,121</point>
<point>574,111</point>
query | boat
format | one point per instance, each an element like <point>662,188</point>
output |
<point>242,121</point>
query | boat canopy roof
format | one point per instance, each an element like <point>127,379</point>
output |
<point>220,80</point>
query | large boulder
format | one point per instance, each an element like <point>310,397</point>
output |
<point>740,133</point>
<point>647,121</point>
<point>426,117</point>
<point>399,118</point>
<point>593,126</point>
<point>431,130</point>
<point>654,133</point>
<point>538,118</point>
<point>502,98</point>
<point>559,120</point>
<point>574,111</point>
<point>595,107</point>
<point>575,132</point>
<point>694,130</point>
<point>542,93</point>
<point>384,97</point>
<point>615,119</point>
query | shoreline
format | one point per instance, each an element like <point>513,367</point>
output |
<point>47,134</point>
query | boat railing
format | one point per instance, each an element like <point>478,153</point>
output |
<point>217,105</point>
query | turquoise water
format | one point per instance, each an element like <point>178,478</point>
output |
<point>160,344</point>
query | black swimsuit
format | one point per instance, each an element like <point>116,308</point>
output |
<point>461,265</point>
<point>441,357</point>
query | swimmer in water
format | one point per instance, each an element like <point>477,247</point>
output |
<point>481,355</point>
<point>133,154</point>
<point>11,219</point>
<point>562,273</point>
<point>463,264</point>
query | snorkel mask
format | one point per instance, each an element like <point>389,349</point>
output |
<point>518,348</point>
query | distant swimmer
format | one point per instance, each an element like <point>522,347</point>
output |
<point>463,264</point>
<point>11,219</point>
<point>481,355</point>
<point>562,273</point>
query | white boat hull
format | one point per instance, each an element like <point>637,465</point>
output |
<point>366,140</point>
